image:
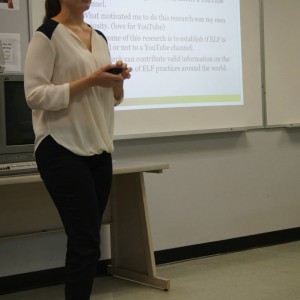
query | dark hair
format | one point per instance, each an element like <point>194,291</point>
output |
<point>52,8</point>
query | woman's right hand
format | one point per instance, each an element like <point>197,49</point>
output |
<point>100,78</point>
<point>103,78</point>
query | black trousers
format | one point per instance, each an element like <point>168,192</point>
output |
<point>79,187</point>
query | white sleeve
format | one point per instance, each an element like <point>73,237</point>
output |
<point>120,100</point>
<point>40,92</point>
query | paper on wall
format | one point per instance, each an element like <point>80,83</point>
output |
<point>11,46</point>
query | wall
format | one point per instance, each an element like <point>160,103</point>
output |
<point>219,186</point>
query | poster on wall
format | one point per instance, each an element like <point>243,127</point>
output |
<point>2,60</point>
<point>11,47</point>
<point>9,4</point>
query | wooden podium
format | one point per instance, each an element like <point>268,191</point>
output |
<point>132,253</point>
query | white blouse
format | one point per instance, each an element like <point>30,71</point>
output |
<point>55,57</point>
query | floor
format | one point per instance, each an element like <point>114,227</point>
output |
<point>270,273</point>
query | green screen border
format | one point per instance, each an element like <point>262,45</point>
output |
<point>210,99</point>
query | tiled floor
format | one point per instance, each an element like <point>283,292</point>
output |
<point>271,273</point>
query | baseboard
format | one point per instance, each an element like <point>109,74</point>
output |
<point>50,277</point>
<point>33,280</point>
<point>227,246</point>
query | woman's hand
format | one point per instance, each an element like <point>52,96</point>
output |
<point>103,78</point>
<point>118,89</point>
<point>126,70</point>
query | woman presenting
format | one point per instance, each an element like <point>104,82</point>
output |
<point>72,96</point>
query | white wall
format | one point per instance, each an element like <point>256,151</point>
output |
<point>219,186</point>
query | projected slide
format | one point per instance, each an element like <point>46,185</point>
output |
<point>184,53</point>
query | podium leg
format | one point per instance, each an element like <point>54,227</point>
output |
<point>131,241</point>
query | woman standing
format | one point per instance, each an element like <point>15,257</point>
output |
<point>72,97</point>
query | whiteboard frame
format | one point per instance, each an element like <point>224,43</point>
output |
<point>35,20</point>
<point>279,114</point>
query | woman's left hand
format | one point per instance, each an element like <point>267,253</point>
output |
<point>126,70</point>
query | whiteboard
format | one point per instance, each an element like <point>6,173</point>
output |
<point>175,121</point>
<point>282,62</point>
